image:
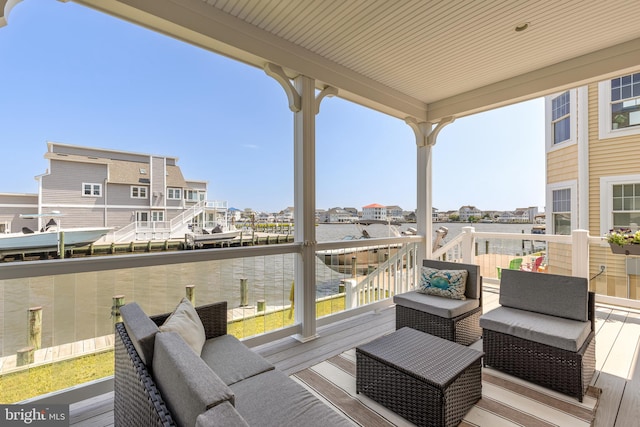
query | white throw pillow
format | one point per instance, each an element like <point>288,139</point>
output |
<point>185,322</point>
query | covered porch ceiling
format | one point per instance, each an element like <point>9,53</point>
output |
<point>426,59</point>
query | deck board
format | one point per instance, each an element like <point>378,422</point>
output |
<point>617,360</point>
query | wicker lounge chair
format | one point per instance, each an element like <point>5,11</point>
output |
<point>544,331</point>
<point>453,320</point>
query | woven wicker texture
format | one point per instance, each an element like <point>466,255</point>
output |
<point>137,400</point>
<point>464,329</point>
<point>561,370</point>
<point>427,380</point>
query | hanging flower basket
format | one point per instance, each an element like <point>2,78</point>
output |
<point>631,249</point>
<point>624,241</point>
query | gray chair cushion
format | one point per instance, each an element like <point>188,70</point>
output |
<point>438,306</point>
<point>231,360</point>
<point>554,331</point>
<point>223,415</point>
<point>141,330</point>
<point>188,386</point>
<point>473,278</point>
<point>273,399</point>
<point>552,294</point>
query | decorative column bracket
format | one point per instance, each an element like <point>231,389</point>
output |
<point>425,134</point>
<point>328,91</point>
<point>275,71</point>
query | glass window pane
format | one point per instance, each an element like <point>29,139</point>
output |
<point>617,203</point>
<point>617,191</point>
<point>562,223</point>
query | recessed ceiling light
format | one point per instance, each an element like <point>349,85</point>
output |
<point>521,27</point>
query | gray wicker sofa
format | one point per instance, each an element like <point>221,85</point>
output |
<point>544,331</point>
<point>160,381</point>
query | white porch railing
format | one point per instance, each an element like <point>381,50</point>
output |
<point>76,294</point>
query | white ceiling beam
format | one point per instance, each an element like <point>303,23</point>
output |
<point>575,72</point>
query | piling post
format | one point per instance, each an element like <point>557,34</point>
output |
<point>25,356</point>
<point>117,302</point>
<point>354,266</point>
<point>61,244</point>
<point>191,294</point>
<point>244,293</point>
<point>486,247</point>
<point>35,327</point>
<point>261,304</point>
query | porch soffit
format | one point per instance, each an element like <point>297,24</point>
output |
<point>422,58</point>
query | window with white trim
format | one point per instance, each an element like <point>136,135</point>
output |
<point>91,190</point>
<point>138,192</point>
<point>561,211</point>
<point>194,195</point>
<point>626,205</point>
<point>625,101</point>
<point>157,216</point>
<point>561,118</point>
<point>174,193</point>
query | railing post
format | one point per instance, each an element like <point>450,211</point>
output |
<point>351,293</point>
<point>580,253</point>
<point>467,244</point>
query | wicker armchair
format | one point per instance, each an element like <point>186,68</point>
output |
<point>554,317</point>
<point>453,320</point>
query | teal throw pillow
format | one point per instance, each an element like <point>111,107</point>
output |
<point>443,283</point>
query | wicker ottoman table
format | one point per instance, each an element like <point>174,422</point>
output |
<point>427,380</point>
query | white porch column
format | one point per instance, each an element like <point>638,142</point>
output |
<point>580,253</point>
<point>305,207</point>
<point>304,103</point>
<point>426,136</point>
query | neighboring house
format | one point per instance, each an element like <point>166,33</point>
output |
<point>374,211</point>
<point>285,215</point>
<point>339,215</point>
<point>467,212</point>
<point>124,190</point>
<point>12,206</point>
<point>395,213</point>
<point>592,138</point>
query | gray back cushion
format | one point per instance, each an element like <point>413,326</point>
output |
<point>187,384</point>
<point>552,294</point>
<point>141,330</point>
<point>473,277</point>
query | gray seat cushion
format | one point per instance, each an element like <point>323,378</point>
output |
<point>141,330</point>
<point>438,306</point>
<point>224,415</point>
<point>554,331</point>
<point>552,294</point>
<point>188,386</point>
<point>273,399</point>
<point>231,360</point>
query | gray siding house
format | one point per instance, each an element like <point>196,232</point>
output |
<point>142,196</point>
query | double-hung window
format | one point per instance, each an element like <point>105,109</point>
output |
<point>138,192</point>
<point>561,118</point>
<point>625,101</point>
<point>626,205</point>
<point>561,211</point>
<point>174,193</point>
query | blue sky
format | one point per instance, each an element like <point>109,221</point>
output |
<point>73,75</point>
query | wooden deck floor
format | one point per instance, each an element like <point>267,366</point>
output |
<point>617,364</point>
